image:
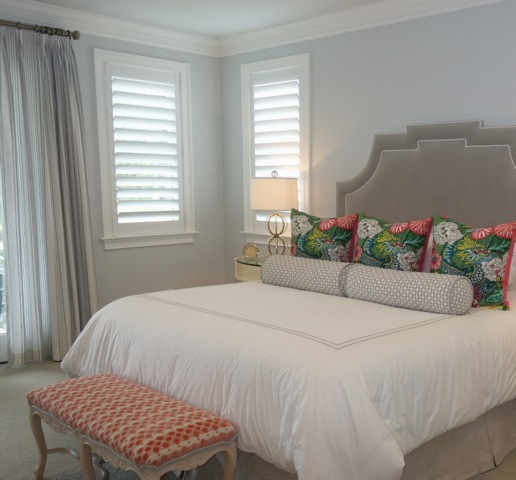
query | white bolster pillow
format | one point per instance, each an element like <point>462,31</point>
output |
<point>321,276</point>
<point>428,292</point>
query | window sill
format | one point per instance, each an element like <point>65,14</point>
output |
<point>113,243</point>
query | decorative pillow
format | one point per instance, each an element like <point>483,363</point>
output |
<point>414,290</point>
<point>512,271</point>
<point>397,246</point>
<point>322,238</point>
<point>303,273</point>
<point>481,254</point>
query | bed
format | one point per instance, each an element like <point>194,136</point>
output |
<point>322,382</point>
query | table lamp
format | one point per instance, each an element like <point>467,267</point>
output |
<point>274,194</point>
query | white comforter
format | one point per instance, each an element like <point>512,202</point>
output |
<point>328,387</point>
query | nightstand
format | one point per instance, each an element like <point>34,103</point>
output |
<point>248,269</point>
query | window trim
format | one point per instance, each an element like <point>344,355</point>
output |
<point>103,60</point>
<point>301,62</point>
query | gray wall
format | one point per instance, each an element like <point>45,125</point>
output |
<point>136,270</point>
<point>458,66</point>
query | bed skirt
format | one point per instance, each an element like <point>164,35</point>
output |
<point>459,454</point>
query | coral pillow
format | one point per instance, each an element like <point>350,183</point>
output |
<point>397,246</point>
<point>481,254</point>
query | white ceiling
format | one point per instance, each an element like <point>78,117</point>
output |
<point>212,18</point>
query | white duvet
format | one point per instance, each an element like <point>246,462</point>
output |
<point>328,387</point>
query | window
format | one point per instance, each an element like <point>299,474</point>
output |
<point>144,138</point>
<point>275,99</point>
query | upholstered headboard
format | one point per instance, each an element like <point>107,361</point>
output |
<point>461,169</point>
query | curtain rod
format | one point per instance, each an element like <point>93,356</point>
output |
<point>42,29</point>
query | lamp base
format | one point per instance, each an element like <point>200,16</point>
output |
<point>275,244</point>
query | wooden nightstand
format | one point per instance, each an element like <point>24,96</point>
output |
<point>248,269</point>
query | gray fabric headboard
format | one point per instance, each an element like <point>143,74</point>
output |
<point>461,170</point>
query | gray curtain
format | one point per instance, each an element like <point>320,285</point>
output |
<point>48,247</point>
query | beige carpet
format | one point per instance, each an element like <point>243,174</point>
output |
<point>506,471</point>
<point>19,452</point>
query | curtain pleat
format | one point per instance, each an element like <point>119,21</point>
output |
<point>48,247</point>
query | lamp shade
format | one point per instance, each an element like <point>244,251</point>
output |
<point>273,193</point>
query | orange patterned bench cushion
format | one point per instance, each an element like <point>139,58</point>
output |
<point>141,424</point>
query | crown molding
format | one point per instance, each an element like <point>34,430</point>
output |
<point>108,27</point>
<point>348,20</point>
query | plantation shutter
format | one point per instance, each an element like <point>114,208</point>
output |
<point>143,107</point>
<point>146,150</point>
<point>276,125</point>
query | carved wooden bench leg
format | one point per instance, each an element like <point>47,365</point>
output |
<point>230,462</point>
<point>86,461</point>
<point>35,417</point>
<point>37,430</point>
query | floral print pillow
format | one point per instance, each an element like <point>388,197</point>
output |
<point>398,246</point>
<point>481,254</point>
<point>322,238</point>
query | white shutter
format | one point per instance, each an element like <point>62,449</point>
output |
<point>146,151</point>
<point>145,155</point>
<point>276,128</point>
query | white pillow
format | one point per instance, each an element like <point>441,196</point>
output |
<point>322,276</point>
<point>429,292</point>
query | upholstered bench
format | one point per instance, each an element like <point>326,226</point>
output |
<point>130,426</point>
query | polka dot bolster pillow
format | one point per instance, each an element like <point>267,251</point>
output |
<point>322,238</point>
<point>304,274</point>
<point>397,246</point>
<point>483,255</point>
<point>413,290</point>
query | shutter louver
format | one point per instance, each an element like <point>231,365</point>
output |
<point>146,151</point>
